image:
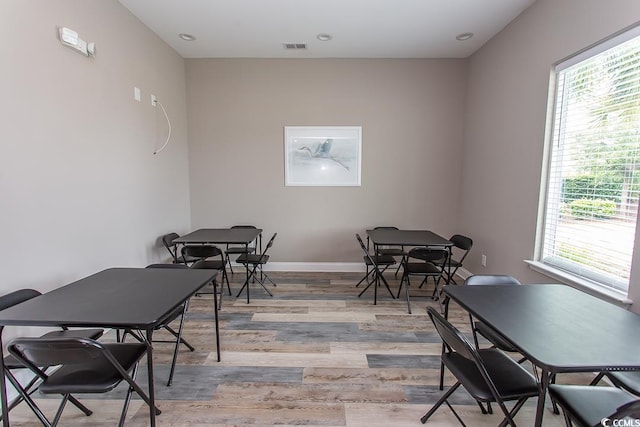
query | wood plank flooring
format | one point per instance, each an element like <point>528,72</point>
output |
<point>315,354</point>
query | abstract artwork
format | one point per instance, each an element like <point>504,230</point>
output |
<point>322,155</point>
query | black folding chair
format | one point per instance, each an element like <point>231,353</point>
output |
<point>425,266</point>
<point>239,249</point>
<point>589,406</point>
<point>178,312</point>
<point>12,364</point>
<point>394,251</point>
<point>84,366</point>
<point>488,375</point>
<point>203,254</point>
<point>478,327</point>
<point>373,264</point>
<point>167,242</point>
<point>255,262</point>
<point>461,247</point>
<point>627,380</point>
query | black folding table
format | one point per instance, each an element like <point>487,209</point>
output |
<point>212,236</point>
<point>134,298</point>
<point>425,238</point>
<point>557,327</point>
<point>390,237</point>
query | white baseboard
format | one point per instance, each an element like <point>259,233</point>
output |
<point>329,267</point>
<point>463,273</point>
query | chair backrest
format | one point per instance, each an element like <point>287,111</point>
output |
<point>464,244</point>
<point>461,242</point>
<point>429,254</point>
<point>490,279</point>
<point>201,251</point>
<point>455,341</point>
<point>35,352</point>
<point>372,259</point>
<point>16,297</point>
<point>167,241</point>
<point>364,249</point>
<point>266,248</point>
<point>382,227</point>
<point>451,336</point>
<point>359,239</point>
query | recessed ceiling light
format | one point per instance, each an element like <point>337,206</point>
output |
<point>464,36</point>
<point>323,37</point>
<point>187,37</point>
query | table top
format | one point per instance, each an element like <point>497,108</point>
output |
<point>559,328</point>
<point>407,238</point>
<point>117,297</point>
<point>220,235</point>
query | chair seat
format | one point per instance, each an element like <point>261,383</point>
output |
<point>421,268</point>
<point>495,338</point>
<point>511,380</point>
<point>94,375</point>
<point>628,380</point>
<point>391,251</point>
<point>379,260</point>
<point>239,250</point>
<point>209,265</point>
<point>185,259</point>
<point>589,404</point>
<point>252,259</point>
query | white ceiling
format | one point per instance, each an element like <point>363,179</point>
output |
<point>360,28</point>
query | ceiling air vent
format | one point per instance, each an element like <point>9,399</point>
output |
<point>294,46</point>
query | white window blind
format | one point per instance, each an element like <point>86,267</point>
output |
<point>593,180</point>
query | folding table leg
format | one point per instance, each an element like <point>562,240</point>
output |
<point>3,389</point>
<point>152,392</point>
<point>215,311</point>
<point>545,378</point>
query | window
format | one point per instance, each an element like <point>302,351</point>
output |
<point>593,182</point>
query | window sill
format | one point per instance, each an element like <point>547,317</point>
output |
<point>612,296</point>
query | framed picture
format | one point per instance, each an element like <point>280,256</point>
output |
<point>322,155</point>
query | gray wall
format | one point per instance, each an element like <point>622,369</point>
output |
<point>411,116</point>
<point>80,188</point>
<point>450,145</point>
<point>505,125</point>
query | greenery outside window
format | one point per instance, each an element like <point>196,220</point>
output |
<point>590,200</point>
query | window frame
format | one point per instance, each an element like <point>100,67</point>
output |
<point>538,263</point>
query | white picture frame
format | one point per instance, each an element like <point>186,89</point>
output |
<point>322,156</point>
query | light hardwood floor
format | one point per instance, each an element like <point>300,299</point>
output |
<point>315,354</point>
